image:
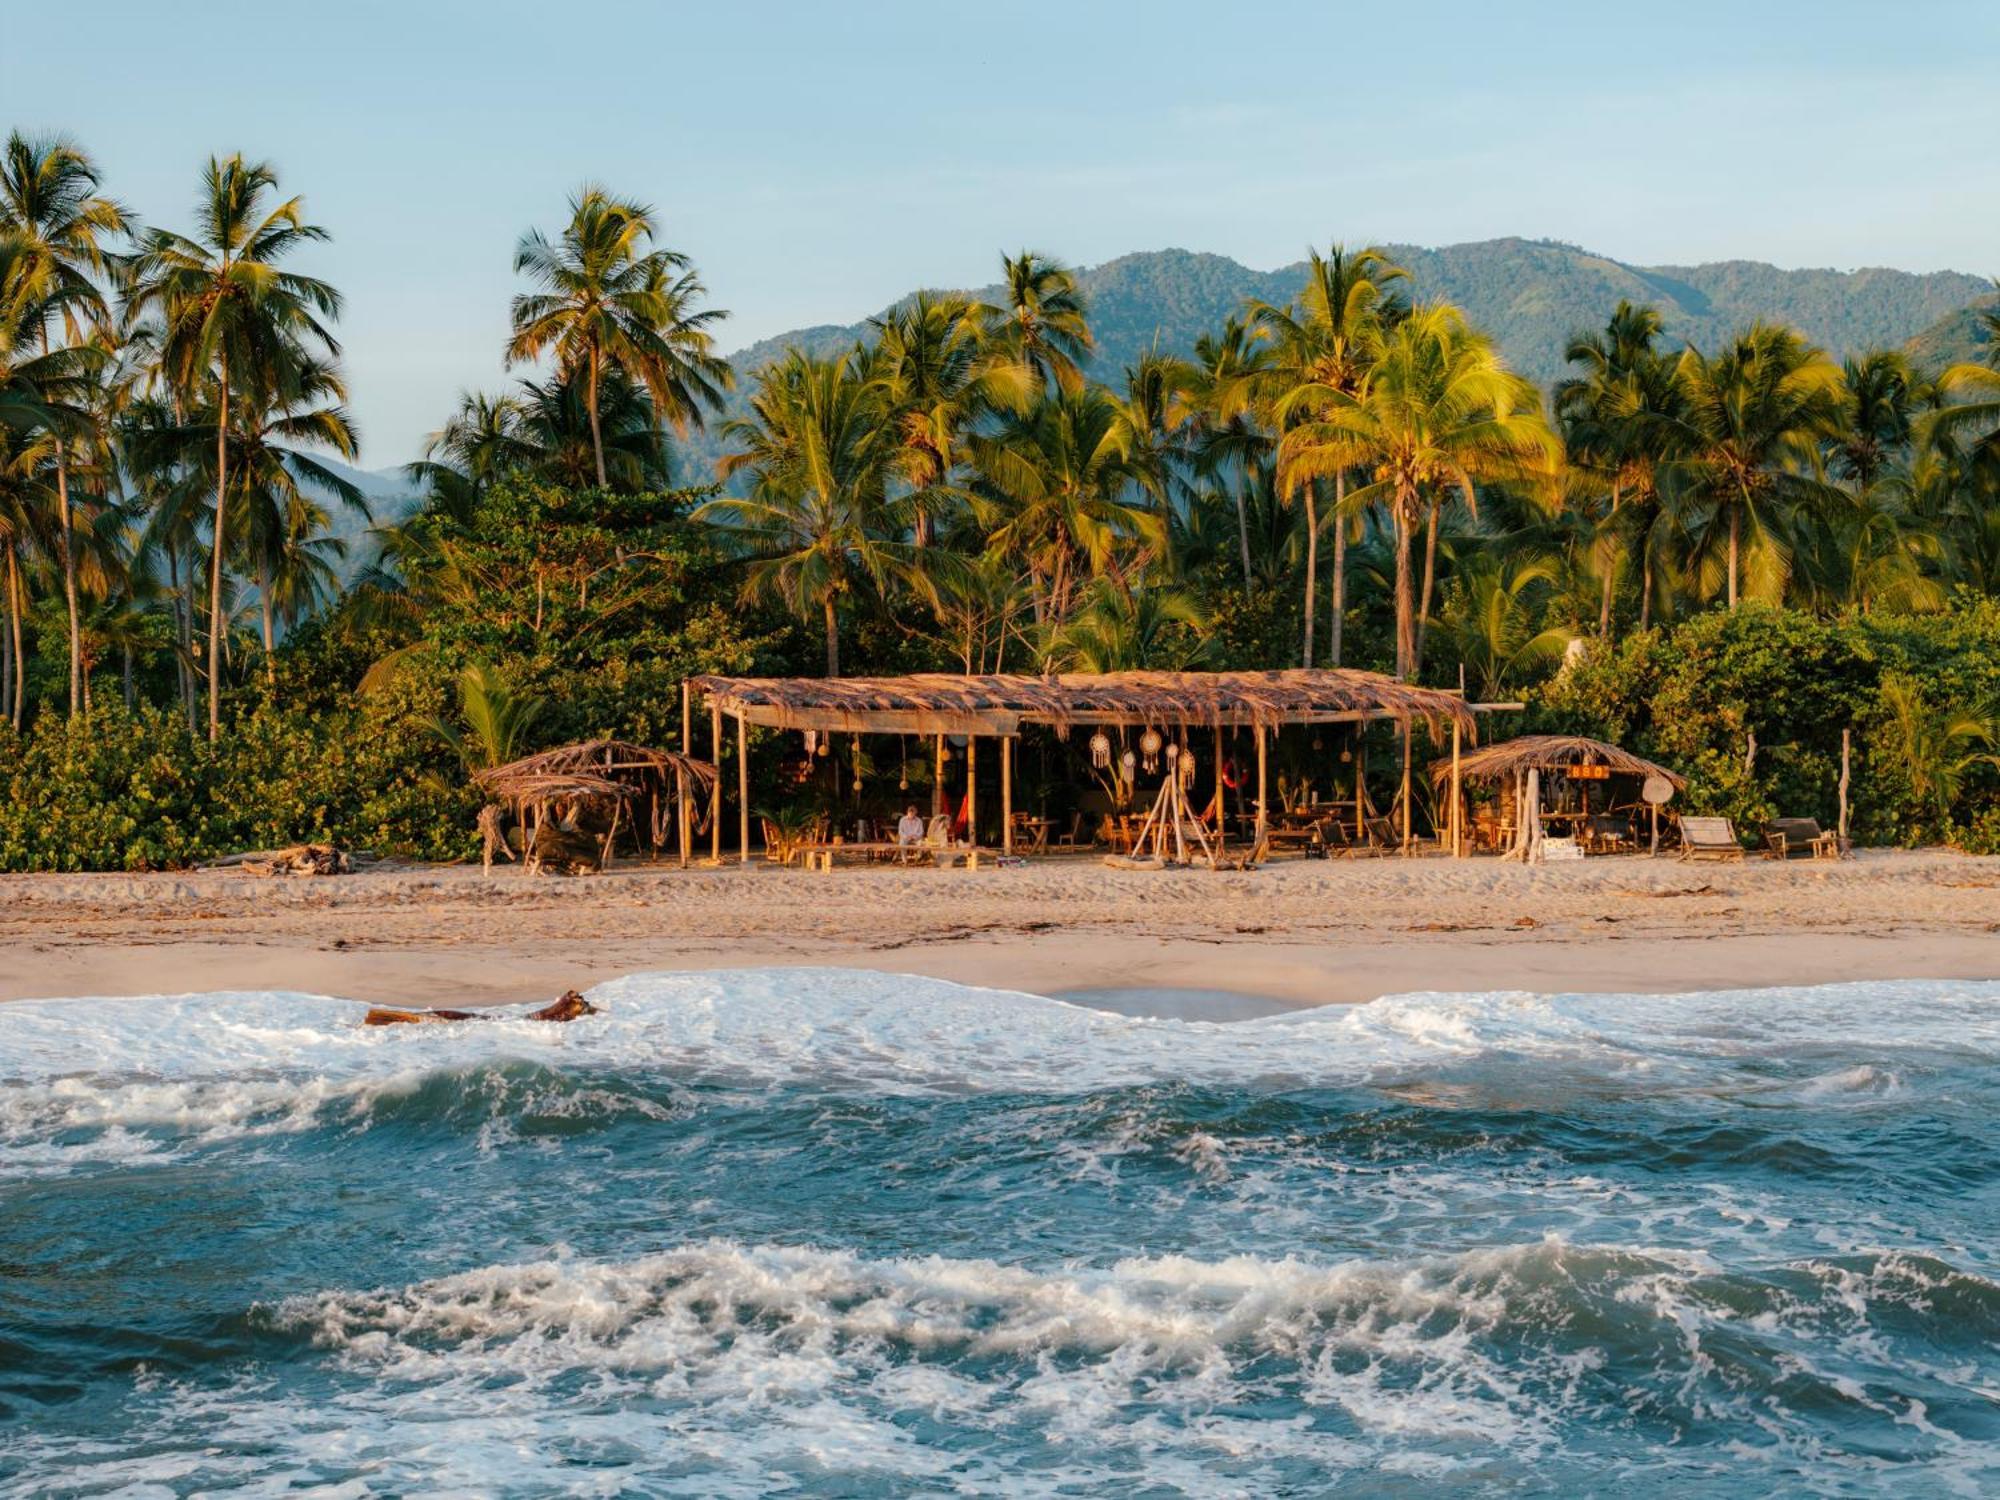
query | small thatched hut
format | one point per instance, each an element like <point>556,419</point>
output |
<point>1551,777</point>
<point>605,784</point>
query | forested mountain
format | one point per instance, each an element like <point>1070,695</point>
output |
<point>1530,294</point>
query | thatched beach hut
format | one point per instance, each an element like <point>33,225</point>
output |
<point>1526,766</point>
<point>996,706</point>
<point>607,783</point>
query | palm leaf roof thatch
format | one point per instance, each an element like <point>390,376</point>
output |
<point>997,704</point>
<point>592,768</point>
<point>1550,752</point>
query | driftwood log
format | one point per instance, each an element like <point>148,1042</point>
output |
<point>294,859</point>
<point>570,1007</point>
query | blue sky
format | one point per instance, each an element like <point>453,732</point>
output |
<point>819,159</point>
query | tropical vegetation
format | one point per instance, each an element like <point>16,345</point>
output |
<point>1727,554</point>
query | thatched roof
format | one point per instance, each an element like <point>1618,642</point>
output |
<point>940,702</point>
<point>592,768</point>
<point>1549,752</point>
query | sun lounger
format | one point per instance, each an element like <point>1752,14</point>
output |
<point>1799,838</point>
<point>1710,838</point>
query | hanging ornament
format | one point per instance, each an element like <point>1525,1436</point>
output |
<point>1318,743</point>
<point>1100,749</point>
<point>1187,766</point>
<point>1130,762</point>
<point>812,740</point>
<point>1149,743</point>
<point>826,747</point>
<point>903,760</point>
<point>857,763</point>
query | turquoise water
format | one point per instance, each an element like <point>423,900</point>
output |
<point>846,1234</point>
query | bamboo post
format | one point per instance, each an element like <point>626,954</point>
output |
<point>681,812</point>
<point>1263,814</point>
<point>687,720</point>
<point>1360,781</point>
<point>1407,726</point>
<point>1221,803</point>
<point>1006,794</point>
<point>715,786</point>
<point>1457,816</point>
<point>972,790</point>
<point>743,789</point>
<point>937,779</point>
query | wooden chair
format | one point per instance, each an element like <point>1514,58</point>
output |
<point>1709,838</point>
<point>1069,840</point>
<point>1799,838</point>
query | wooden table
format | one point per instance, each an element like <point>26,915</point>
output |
<point>1037,830</point>
<point>821,856</point>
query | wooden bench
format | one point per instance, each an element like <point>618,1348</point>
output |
<point>1799,838</point>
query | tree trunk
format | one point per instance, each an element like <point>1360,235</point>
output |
<point>1406,638</point>
<point>270,623</point>
<point>1312,566</point>
<point>7,651</point>
<point>832,639</point>
<point>1610,560</point>
<point>69,583</point>
<point>1646,587</point>
<point>19,706</point>
<point>215,564</point>
<point>1430,579</point>
<point>1243,531</point>
<point>1735,534</point>
<point>596,432</point>
<point>1335,627</point>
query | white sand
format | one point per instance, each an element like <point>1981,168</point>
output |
<point>1307,932</point>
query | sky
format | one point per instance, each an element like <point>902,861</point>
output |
<point>818,160</point>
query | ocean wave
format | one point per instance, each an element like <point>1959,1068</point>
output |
<point>206,1067</point>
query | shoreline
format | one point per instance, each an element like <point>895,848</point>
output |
<point>1302,932</point>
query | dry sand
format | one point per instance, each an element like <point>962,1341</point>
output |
<point>1308,932</point>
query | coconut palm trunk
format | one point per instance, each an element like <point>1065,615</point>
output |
<point>1609,558</point>
<point>1430,582</point>
<point>1312,566</point>
<point>18,708</point>
<point>270,623</point>
<point>1735,547</point>
<point>832,637</point>
<point>596,426</point>
<point>215,563</point>
<point>1336,625</point>
<point>1243,529</point>
<point>69,585</point>
<point>1406,639</point>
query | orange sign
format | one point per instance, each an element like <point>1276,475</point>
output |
<point>1588,773</point>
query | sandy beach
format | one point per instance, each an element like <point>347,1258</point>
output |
<point>1302,932</point>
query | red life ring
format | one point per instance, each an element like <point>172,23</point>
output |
<point>1232,774</point>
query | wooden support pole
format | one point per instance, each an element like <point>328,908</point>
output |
<point>715,786</point>
<point>937,778</point>
<point>1459,833</point>
<point>1221,803</point>
<point>1407,799</point>
<point>1361,782</point>
<point>1263,813</point>
<point>682,812</point>
<point>1007,794</point>
<point>687,720</point>
<point>972,790</point>
<point>743,789</point>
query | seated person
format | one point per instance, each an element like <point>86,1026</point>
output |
<point>911,829</point>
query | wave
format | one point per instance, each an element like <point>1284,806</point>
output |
<point>109,1080</point>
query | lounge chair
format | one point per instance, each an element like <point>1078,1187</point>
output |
<point>1709,838</point>
<point>1799,838</point>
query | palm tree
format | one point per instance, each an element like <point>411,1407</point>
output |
<point>1067,490</point>
<point>1044,324</point>
<point>608,300</point>
<point>1750,422</point>
<point>1935,747</point>
<point>1325,341</point>
<point>1437,410</point>
<point>60,226</point>
<point>497,719</point>
<point>1227,441</point>
<point>1614,418</point>
<point>1490,619</point>
<point>938,373</point>
<point>817,524</point>
<point>230,314</point>
<point>1129,629</point>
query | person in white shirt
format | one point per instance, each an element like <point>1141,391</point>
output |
<point>911,829</point>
